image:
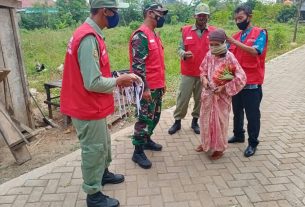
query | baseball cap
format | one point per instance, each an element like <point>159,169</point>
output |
<point>107,4</point>
<point>202,9</point>
<point>155,7</point>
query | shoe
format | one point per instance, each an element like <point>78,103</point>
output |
<point>199,149</point>
<point>176,127</point>
<point>250,151</point>
<point>234,139</point>
<point>111,178</point>
<point>151,145</point>
<point>195,126</point>
<point>142,160</point>
<point>100,200</point>
<point>216,155</point>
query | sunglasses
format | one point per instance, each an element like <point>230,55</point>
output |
<point>113,10</point>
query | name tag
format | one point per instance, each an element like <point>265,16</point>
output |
<point>189,38</point>
<point>151,41</point>
<point>251,40</point>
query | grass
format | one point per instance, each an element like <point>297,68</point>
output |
<point>48,47</point>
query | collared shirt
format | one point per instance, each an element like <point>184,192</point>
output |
<point>139,47</point>
<point>181,47</point>
<point>259,43</point>
<point>88,58</point>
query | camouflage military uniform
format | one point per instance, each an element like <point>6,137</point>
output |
<point>150,111</point>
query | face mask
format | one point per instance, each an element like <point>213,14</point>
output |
<point>219,50</point>
<point>160,20</point>
<point>243,25</point>
<point>113,20</point>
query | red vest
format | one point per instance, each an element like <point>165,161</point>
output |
<point>254,66</point>
<point>75,100</point>
<point>154,63</point>
<point>198,46</point>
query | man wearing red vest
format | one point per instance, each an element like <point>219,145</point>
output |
<point>147,61</point>
<point>86,97</point>
<point>192,50</point>
<point>249,47</point>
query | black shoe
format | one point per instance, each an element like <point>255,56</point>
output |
<point>151,145</point>
<point>234,139</point>
<point>175,127</point>
<point>250,151</point>
<point>195,126</point>
<point>111,178</point>
<point>142,160</point>
<point>100,200</point>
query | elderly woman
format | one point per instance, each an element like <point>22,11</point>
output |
<point>221,77</point>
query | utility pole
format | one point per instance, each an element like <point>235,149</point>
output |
<point>297,21</point>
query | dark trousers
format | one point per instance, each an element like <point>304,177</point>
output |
<point>247,100</point>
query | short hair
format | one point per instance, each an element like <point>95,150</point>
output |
<point>245,8</point>
<point>94,11</point>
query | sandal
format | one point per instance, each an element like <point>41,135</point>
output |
<point>216,155</point>
<point>199,149</point>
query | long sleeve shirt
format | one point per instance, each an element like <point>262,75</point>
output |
<point>88,58</point>
<point>139,47</point>
<point>181,47</point>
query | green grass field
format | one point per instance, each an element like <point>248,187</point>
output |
<point>48,47</point>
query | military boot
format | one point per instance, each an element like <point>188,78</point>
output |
<point>151,145</point>
<point>195,125</point>
<point>140,157</point>
<point>100,200</point>
<point>176,126</point>
<point>111,178</point>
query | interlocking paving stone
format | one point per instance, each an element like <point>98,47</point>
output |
<point>181,177</point>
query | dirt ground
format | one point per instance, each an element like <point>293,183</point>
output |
<point>49,145</point>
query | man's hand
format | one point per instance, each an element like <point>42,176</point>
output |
<point>126,80</point>
<point>230,40</point>
<point>187,55</point>
<point>146,95</point>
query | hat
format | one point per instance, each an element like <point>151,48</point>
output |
<point>202,9</point>
<point>218,35</point>
<point>107,4</point>
<point>155,7</point>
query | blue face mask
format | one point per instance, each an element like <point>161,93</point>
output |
<point>113,20</point>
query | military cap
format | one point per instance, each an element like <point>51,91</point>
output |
<point>155,7</point>
<point>202,9</point>
<point>107,4</point>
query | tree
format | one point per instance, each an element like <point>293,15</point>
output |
<point>77,8</point>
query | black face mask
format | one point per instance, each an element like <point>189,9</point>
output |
<point>243,25</point>
<point>160,22</point>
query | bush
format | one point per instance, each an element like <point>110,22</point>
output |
<point>174,19</point>
<point>278,38</point>
<point>134,25</point>
<point>287,13</point>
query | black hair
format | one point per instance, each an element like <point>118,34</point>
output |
<point>245,8</point>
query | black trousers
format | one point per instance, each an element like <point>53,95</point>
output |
<point>248,101</point>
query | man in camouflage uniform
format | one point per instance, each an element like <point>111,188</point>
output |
<point>147,61</point>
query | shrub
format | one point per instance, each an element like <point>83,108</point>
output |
<point>134,25</point>
<point>286,14</point>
